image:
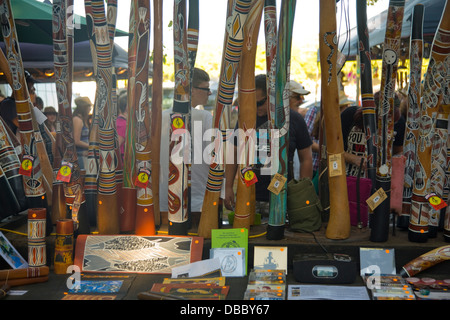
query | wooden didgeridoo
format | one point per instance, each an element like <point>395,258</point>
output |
<point>22,273</point>
<point>379,219</point>
<point>128,216</point>
<point>34,182</point>
<point>244,210</point>
<point>425,261</point>
<point>413,113</point>
<point>278,202</point>
<point>368,103</point>
<point>157,94</point>
<point>339,222</point>
<point>108,211</point>
<point>230,62</point>
<point>180,119</point>
<point>24,281</point>
<point>432,97</point>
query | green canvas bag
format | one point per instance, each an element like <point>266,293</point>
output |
<point>304,209</point>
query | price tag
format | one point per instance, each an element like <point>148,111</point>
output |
<point>277,183</point>
<point>142,178</point>
<point>65,172</point>
<point>249,176</point>
<point>376,199</point>
<point>436,202</point>
<point>335,165</point>
<point>177,122</point>
<point>26,167</point>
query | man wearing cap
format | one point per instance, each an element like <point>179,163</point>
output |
<point>297,96</point>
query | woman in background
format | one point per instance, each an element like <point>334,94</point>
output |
<point>81,128</point>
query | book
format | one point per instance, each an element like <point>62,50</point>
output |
<point>270,258</point>
<point>231,238</point>
<point>232,261</point>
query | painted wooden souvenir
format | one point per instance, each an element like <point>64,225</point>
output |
<point>107,212</point>
<point>270,33</point>
<point>151,254</point>
<point>64,245</point>
<point>245,209</point>
<point>339,215</point>
<point>37,248</point>
<point>367,99</point>
<point>66,169</point>
<point>157,94</point>
<point>179,147</point>
<point>432,97</point>
<point>379,220</point>
<point>278,202</point>
<point>230,62</point>
<point>425,261</point>
<point>31,167</point>
<point>413,114</point>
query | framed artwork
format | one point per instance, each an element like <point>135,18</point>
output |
<point>10,254</point>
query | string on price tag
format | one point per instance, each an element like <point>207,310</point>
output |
<point>26,167</point>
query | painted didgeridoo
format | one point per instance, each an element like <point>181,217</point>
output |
<point>157,94</point>
<point>425,261</point>
<point>73,205</point>
<point>278,202</point>
<point>368,103</point>
<point>379,219</point>
<point>231,56</point>
<point>22,273</point>
<point>245,209</point>
<point>178,180</point>
<point>432,97</point>
<point>107,212</point>
<point>34,181</point>
<point>413,113</point>
<point>339,215</point>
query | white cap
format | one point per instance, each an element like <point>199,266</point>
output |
<point>297,88</point>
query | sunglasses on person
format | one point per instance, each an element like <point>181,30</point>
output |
<point>203,89</point>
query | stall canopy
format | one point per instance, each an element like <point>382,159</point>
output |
<point>38,60</point>
<point>33,21</point>
<point>348,41</point>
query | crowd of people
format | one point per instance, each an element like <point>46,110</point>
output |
<point>303,142</point>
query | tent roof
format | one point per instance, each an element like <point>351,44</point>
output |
<point>377,26</point>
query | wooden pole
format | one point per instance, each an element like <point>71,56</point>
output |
<point>339,222</point>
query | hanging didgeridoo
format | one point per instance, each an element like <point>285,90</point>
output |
<point>379,219</point>
<point>245,210</point>
<point>413,113</point>
<point>145,221</point>
<point>368,103</point>
<point>157,94</point>
<point>432,97</point>
<point>231,56</point>
<point>279,154</point>
<point>107,213</point>
<point>339,222</point>
<point>179,145</point>
<point>33,178</point>
<point>92,168</point>
<point>66,168</point>
<point>425,261</point>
